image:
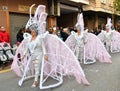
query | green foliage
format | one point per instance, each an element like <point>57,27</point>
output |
<point>117,5</point>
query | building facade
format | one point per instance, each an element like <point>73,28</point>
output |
<point>95,14</point>
<point>68,12</point>
<point>97,11</point>
<point>15,14</point>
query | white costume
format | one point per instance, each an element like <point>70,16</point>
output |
<point>107,39</point>
<point>81,39</point>
<point>80,43</point>
<point>110,38</point>
<point>108,35</point>
<point>37,51</point>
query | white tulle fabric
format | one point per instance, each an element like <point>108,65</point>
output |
<point>115,42</point>
<point>61,62</point>
<point>94,49</point>
<point>109,23</point>
<point>80,22</point>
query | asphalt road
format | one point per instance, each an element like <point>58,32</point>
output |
<point>102,77</point>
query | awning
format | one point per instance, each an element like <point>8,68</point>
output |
<point>80,1</point>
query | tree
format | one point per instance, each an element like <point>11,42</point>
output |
<point>117,5</point>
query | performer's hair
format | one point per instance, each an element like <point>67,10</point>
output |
<point>34,27</point>
<point>78,27</point>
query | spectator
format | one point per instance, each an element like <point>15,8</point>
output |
<point>50,30</point>
<point>4,36</point>
<point>54,30</point>
<point>65,33</point>
<point>71,29</point>
<point>20,35</point>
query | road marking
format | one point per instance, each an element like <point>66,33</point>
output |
<point>92,70</point>
<point>73,90</point>
<point>3,71</point>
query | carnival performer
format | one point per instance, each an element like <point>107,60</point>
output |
<point>110,38</point>
<point>37,50</point>
<point>29,60</point>
<point>86,45</point>
<point>81,39</point>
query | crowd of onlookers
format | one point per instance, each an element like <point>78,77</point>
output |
<point>63,33</point>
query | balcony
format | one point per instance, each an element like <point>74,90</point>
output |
<point>75,3</point>
<point>80,1</point>
<point>99,6</point>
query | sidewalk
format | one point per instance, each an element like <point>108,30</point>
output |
<point>5,68</point>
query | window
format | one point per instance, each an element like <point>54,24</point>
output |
<point>103,1</point>
<point>111,3</point>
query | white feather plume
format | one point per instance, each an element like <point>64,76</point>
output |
<point>80,21</point>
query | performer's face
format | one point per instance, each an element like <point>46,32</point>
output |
<point>78,29</point>
<point>33,33</point>
<point>107,29</point>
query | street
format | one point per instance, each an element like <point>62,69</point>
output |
<point>102,77</point>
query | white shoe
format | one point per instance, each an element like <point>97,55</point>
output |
<point>35,83</point>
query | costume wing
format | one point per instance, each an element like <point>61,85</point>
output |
<point>61,61</point>
<point>115,44</point>
<point>94,49</point>
<point>101,36</point>
<point>19,64</point>
<point>70,41</point>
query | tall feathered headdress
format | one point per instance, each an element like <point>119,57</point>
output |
<point>38,21</point>
<point>80,22</point>
<point>109,23</point>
